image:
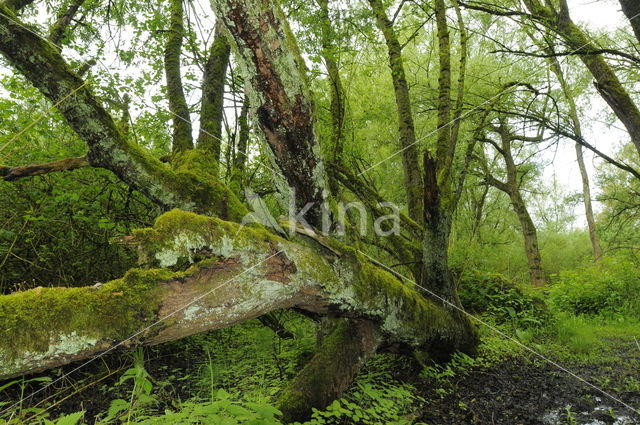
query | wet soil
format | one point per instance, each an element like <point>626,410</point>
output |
<point>530,391</point>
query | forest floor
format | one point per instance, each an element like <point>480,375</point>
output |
<point>503,385</point>
<point>527,390</point>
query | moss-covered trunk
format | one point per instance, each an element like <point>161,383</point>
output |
<point>212,108</point>
<point>334,366</point>
<point>251,272</point>
<point>182,131</point>
<point>45,68</point>
<point>410,155</point>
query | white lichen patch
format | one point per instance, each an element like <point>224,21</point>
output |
<point>193,312</point>
<point>62,345</point>
<point>184,245</point>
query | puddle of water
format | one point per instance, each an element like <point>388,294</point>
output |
<point>556,417</point>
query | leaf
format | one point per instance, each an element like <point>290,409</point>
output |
<point>71,419</point>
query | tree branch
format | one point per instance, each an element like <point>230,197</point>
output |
<point>15,173</point>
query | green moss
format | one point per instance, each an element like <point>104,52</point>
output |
<point>34,321</point>
<point>179,236</point>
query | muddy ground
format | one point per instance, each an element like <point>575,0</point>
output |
<point>521,390</point>
<point>529,391</point>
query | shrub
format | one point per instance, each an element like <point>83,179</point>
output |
<point>503,300</point>
<point>610,287</point>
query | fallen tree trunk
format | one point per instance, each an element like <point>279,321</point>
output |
<point>246,272</point>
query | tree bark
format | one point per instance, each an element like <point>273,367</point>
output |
<point>252,272</point>
<point>631,9</point>
<point>345,350</point>
<point>410,156</point>
<point>607,83</point>
<point>212,109</point>
<point>280,95</point>
<point>182,130</point>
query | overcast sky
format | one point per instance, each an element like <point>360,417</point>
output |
<point>596,15</point>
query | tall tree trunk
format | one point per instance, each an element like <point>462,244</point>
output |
<point>588,207</point>
<point>281,97</point>
<point>182,130</point>
<point>556,68</point>
<point>529,231</point>
<point>212,108</point>
<point>631,9</point>
<point>329,54</point>
<point>607,83</point>
<point>410,156</point>
<point>512,188</point>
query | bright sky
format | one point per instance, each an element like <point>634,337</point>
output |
<point>597,15</point>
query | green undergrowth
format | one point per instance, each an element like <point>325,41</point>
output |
<point>236,375</point>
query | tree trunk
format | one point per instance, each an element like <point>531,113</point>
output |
<point>212,108</point>
<point>344,351</point>
<point>182,131</point>
<point>577,128</point>
<point>631,9</point>
<point>512,188</point>
<point>329,54</point>
<point>180,188</point>
<point>530,235</point>
<point>607,82</point>
<point>252,273</point>
<point>240,159</point>
<point>284,111</point>
<point>411,166</point>
<point>588,208</point>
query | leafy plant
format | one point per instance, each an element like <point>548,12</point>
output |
<point>221,410</point>
<point>607,288</point>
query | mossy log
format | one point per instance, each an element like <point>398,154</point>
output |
<point>246,272</point>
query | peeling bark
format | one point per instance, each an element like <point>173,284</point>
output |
<point>277,75</point>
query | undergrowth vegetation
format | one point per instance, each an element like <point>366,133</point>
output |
<point>234,375</point>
